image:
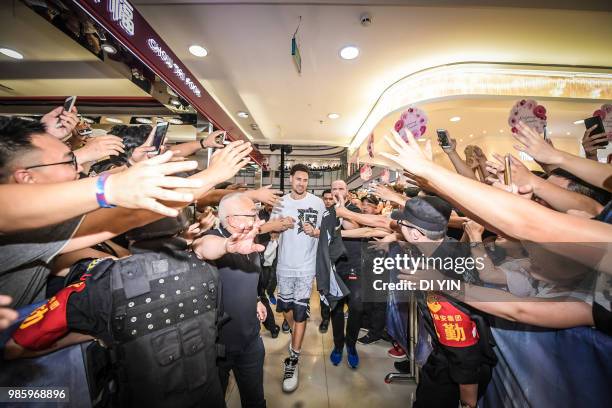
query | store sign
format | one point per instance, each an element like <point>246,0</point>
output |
<point>178,72</point>
<point>128,26</point>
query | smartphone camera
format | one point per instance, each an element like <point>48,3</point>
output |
<point>443,139</point>
<point>160,136</point>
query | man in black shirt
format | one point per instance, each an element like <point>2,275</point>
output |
<point>239,270</point>
<point>349,270</point>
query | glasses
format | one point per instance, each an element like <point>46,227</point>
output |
<point>252,219</point>
<point>72,161</point>
<point>403,223</point>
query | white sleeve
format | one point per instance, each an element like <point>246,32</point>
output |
<point>322,210</point>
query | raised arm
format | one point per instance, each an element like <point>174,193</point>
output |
<point>598,174</point>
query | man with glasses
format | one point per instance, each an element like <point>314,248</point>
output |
<point>232,250</point>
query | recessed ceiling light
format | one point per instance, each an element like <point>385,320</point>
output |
<point>146,121</point>
<point>471,135</point>
<point>568,133</point>
<point>578,122</point>
<point>113,120</point>
<point>461,140</point>
<point>198,51</point>
<point>484,132</point>
<point>175,121</point>
<point>333,116</point>
<point>109,49</point>
<point>242,114</point>
<point>501,130</point>
<point>455,119</point>
<point>11,53</point>
<point>349,52</point>
<point>175,102</point>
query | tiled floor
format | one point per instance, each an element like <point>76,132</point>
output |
<point>323,385</point>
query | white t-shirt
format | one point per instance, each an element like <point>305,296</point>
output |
<point>297,252</point>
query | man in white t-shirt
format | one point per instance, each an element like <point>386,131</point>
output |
<point>296,266</point>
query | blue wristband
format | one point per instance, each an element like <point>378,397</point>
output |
<point>100,184</point>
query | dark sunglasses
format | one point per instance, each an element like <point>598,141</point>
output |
<point>73,161</point>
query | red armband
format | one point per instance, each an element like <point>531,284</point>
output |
<point>46,324</point>
<point>453,327</point>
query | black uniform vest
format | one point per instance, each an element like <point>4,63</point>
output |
<point>164,328</point>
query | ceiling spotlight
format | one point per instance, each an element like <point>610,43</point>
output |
<point>461,140</point>
<point>242,114</point>
<point>109,49</point>
<point>198,51</point>
<point>11,53</point>
<point>113,120</point>
<point>578,122</point>
<point>349,52</point>
<point>333,116</point>
<point>175,121</point>
<point>175,102</point>
<point>484,132</point>
<point>455,119</point>
<point>471,135</point>
<point>501,130</point>
<point>146,121</point>
<point>568,133</point>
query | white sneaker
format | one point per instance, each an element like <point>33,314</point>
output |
<point>290,378</point>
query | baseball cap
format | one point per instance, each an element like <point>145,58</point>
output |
<point>429,213</point>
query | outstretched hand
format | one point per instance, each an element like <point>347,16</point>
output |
<point>243,242</point>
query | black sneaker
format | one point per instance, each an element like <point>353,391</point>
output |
<point>274,332</point>
<point>368,339</point>
<point>324,326</point>
<point>402,366</point>
<point>286,328</point>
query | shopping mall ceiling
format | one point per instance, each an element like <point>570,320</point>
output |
<point>249,66</point>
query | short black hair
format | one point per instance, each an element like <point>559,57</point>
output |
<point>327,191</point>
<point>580,186</point>
<point>16,139</point>
<point>299,167</point>
<point>370,199</point>
<point>133,136</point>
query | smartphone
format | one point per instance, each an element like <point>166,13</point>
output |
<point>596,120</point>
<point>507,171</point>
<point>68,105</point>
<point>443,139</point>
<point>160,135</point>
<point>220,138</point>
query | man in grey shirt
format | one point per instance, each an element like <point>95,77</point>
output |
<point>25,260</point>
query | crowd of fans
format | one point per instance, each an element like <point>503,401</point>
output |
<point>102,236</point>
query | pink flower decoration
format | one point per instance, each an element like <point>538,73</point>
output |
<point>540,112</point>
<point>513,120</point>
<point>399,125</point>
<point>600,113</point>
<point>514,130</point>
<point>422,120</point>
<point>423,129</point>
<point>522,102</point>
<point>410,110</point>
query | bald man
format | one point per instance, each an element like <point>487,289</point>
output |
<point>231,248</point>
<point>349,270</point>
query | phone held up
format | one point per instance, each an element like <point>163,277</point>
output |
<point>160,136</point>
<point>68,105</point>
<point>507,170</point>
<point>443,138</point>
<point>596,121</point>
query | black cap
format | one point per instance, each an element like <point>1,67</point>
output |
<point>429,213</point>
